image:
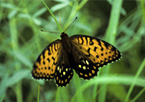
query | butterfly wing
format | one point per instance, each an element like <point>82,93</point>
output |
<point>88,54</point>
<point>93,53</point>
<point>46,63</point>
<point>53,63</point>
<point>64,72</point>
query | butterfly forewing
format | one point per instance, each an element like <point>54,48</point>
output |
<point>94,54</point>
<point>46,63</point>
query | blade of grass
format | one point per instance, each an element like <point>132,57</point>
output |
<point>38,92</point>
<point>77,86</point>
<point>2,97</point>
<point>14,42</point>
<point>143,9</point>
<point>110,37</point>
<point>19,92</point>
<point>53,16</point>
<point>34,28</point>
<point>111,79</point>
<point>138,95</point>
<point>134,81</point>
<point>74,11</point>
<point>113,22</point>
<point>57,95</point>
<point>95,93</point>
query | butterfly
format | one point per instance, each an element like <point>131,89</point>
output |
<point>82,53</point>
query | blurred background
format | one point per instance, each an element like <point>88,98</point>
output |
<point>121,23</point>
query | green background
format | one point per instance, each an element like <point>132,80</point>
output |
<point>119,22</point>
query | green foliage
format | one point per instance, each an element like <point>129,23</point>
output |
<point>1,98</point>
<point>21,41</point>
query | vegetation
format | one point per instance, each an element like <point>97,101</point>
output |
<point>121,23</point>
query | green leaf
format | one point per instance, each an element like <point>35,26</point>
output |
<point>62,1</point>
<point>12,13</point>
<point>23,59</point>
<point>2,70</point>
<point>22,15</point>
<point>2,97</point>
<point>7,5</point>
<point>17,76</point>
<point>3,82</point>
<point>37,21</point>
<point>120,93</point>
<point>39,12</point>
<point>59,6</point>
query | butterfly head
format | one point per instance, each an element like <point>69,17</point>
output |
<point>63,35</point>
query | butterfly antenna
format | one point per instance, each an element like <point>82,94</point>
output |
<point>70,24</point>
<point>50,32</point>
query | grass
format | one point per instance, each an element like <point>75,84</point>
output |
<point>22,41</point>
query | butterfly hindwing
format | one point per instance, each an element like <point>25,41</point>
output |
<point>94,53</point>
<point>64,72</point>
<point>46,63</point>
<point>85,68</point>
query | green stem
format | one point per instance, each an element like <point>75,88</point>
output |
<point>19,92</point>
<point>135,78</point>
<point>38,93</point>
<point>58,94</point>
<point>53,16</point>
<point>15,48</point>
<point>143,10</point>
<point>113,22</point>
<point>81,4</point>
<point>110,37</point>
<point>78,86</point>
<point>74,11</point>
<point>138,95</point>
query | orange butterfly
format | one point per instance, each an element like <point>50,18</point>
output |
<point>84,54</point>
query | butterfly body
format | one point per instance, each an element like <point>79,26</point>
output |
<point>69,50</point>
<point>66,42</point>
<point>84,54</point>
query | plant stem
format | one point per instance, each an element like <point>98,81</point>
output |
<point>53,16</point>
<point>135,78</point>
<point>110,37</point>
<point>15,48</point>
<point>74,11</point>
<point>38,93</point>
